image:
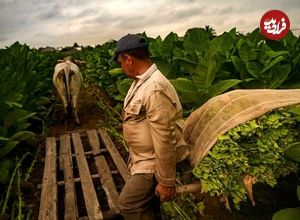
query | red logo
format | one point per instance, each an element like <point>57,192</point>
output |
<point>274,24</point>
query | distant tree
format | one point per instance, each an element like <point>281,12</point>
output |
<point>210,31</point>
<point>76,45</point>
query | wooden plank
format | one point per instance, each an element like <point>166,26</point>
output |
<point>108,183</point>
<point>92,205</point>
<point>94,141</point>
<point>48,202</point>
<point>106,178</point>
<point>120,164</point>
<point>71,211</point>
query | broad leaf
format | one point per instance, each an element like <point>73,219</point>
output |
<point>22,135</point>
<point>247,53</point>
<point>17,116</point>
<point>205,73</point>
<point>183,85</point>
<point>240,67</point>
<point>5,170</point>
<point>8,147</point>
<point>167,45</point>
<point>287,214</point>
<point>279,74</point>
<point>196,39</point>
<point>254,68</point>
<point>272,63</point>
<point>123,85</point>
<point>3,139</point>
<point>293,151</point>
<point>222,86</point>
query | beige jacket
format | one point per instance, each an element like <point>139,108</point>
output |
<point>152,127</point>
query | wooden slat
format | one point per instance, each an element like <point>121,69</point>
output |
<point>94,141</point>
<point>106,178</point>
<point>48,205</point>
<point>121,166</point>
<point>108,183</point>
<point>89,194</point>
<point>71,211</point>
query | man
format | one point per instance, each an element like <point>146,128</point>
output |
<point>152,119</point>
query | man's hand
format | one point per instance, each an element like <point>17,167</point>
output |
<point>165,193</point>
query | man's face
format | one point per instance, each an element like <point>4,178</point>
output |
<point>125,62</point>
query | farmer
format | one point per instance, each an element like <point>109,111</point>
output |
<point>152,119</point>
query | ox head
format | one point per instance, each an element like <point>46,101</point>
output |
<point>69,58</point>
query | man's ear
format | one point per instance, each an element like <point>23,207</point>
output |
<point>128,58</point>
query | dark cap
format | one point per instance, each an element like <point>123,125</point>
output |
<point>127,43</point>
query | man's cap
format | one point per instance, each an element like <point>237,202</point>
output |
<point>127,43</point>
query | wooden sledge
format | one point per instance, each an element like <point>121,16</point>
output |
<point>68,172</point>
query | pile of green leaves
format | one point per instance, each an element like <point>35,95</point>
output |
<point>256,148</point>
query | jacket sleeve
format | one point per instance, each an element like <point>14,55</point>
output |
<point>161,113</point>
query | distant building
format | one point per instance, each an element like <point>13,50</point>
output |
<point>47,49</point>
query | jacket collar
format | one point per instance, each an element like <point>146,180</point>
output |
<point>136,85</point>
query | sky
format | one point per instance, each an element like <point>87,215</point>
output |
<point>60,23</point>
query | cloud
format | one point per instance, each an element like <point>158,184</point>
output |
<point>60,23</point>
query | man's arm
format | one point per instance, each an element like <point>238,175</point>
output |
<point>161,112</point>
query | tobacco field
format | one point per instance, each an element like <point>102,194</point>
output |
<point>200,65</point>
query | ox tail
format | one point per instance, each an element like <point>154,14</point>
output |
<point>67,80</point>
<point>67,83</point>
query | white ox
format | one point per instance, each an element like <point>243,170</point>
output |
<point>68,80</point>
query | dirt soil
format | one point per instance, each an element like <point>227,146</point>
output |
<point>90,114</point>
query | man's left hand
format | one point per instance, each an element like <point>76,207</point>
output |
<point>165,193</point>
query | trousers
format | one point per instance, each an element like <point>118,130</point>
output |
<point>137,200</point>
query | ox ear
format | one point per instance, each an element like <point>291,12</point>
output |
<point>79,63</point>
<point>60,61</point>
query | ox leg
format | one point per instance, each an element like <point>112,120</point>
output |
<point>66,111</point>
<point>74,107</point>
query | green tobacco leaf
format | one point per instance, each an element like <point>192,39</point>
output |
<point>22,135</point>
<point>3,139</point>
<point>14,104</point>
<point>274,54</point>
<point>287,214</point>
<point>294,109</point>
<point>123,85</point>
<point>163,65</point>
<point>240,67</point>
<point>293,151</point>
<point>187,91</point>
<point>116,72</point>
<point>183,85</point>
<point>155,47</point>
<point>221,43</point>
<point>5,169</point>
<point>279,75</point>
<point>298,192</point>
<point>12,97</point>
<point>222,86</point>
<point>167,45</point>
<point>8,147</point>
<point>247,53</point>
<point>17,115</point>
<point>195,40</point>
<point>272,63</point>
<point>254,68</point>
<point>205,73</point>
